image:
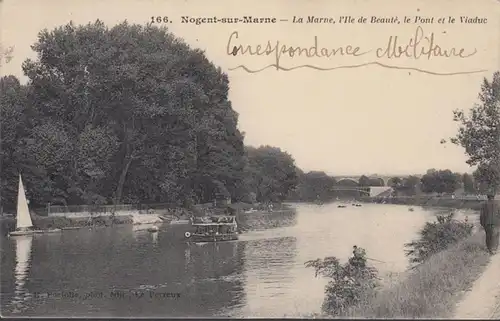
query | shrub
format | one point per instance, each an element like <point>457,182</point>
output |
<point>433,288</point>
<point>437,236</point>
<point>349,283</point>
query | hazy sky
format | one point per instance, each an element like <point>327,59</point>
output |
<point>346,121</point>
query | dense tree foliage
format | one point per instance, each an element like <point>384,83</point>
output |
<point>394,182</point>
<point>468,183</point>
<point>407,186</point>
<point>437,236</point>
<point>364,181</point>
<point>122,114</point>
<point>479,134</point>
<point>440,181</point>
<point>270,172</point>
<point>314,186</point>
<point>14,115</point>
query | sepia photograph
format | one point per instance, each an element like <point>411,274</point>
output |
<point>250,159</point>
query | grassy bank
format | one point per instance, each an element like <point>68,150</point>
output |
<point>432,289</point>
<point>44,222</point>
<point>431,201</point>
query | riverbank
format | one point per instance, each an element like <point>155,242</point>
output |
<point>43,222</point>
<point>434,288</point>
<point>427,201</point>
<point>255,219</point>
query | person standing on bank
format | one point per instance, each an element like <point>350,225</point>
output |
<point>490,221</point>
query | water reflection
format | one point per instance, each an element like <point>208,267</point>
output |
<point>23,257</point>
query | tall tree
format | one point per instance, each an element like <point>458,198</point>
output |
<point>479,133</point>
<point>375,181</point>
<point>128,114</point>
<point>410,185</point>
<point>441,181</point>
<point>394,182</point>
<point>315,186</point>
<point>272,172</point>
<point>468,183</point>
<point>14,114</point>
<point>364,181</point>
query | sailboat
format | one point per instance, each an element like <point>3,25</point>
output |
<point>24,226</point>
<point>23,256</point>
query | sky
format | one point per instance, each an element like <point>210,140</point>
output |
<point>347,121</point>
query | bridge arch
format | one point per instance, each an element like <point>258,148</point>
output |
<point>347,179</point>
<point>382,181</point>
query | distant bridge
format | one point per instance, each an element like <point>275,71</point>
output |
<point>355,178</point>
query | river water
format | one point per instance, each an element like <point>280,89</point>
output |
<point>127,272</point>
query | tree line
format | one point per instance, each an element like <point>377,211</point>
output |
<point>132,114</point>
<point>128,114</point>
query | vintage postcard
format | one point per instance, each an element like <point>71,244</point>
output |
<point>280,159</point>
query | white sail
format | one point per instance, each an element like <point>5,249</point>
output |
<point>23,256</point>
<point>23,213</point>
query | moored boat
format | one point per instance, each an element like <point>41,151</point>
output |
<point>21,232</point>
<point>50,230</point>
<point>214,229</point>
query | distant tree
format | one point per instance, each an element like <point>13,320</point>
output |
<point>468,183</point>
<point>352,188</point>
<point>394,182</point>
<point>271,173</point>
<point>364,181</point>
<point>316,185</point>
<point>479,133</point>
<point>441,181</point>
<point>376,182</point>
<point>410,185</point>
